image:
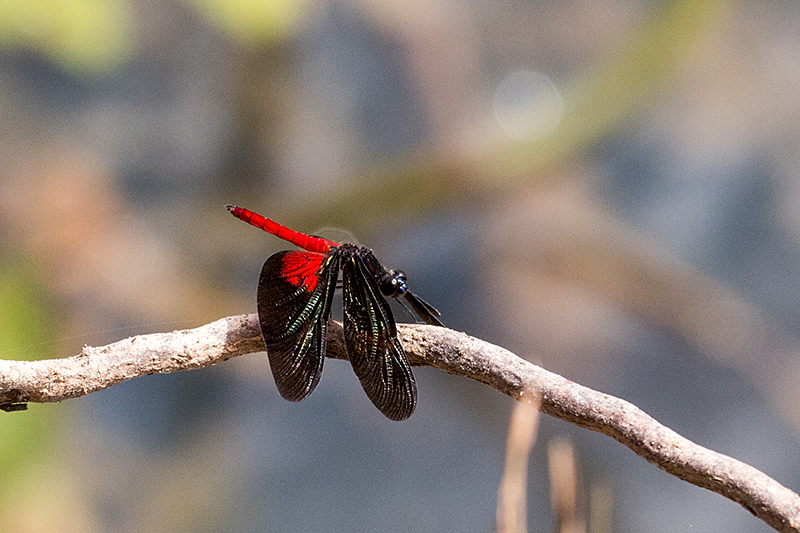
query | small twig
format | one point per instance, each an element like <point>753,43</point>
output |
<point>512,496</point>
<point>563,469</point>
<point>457,353</point>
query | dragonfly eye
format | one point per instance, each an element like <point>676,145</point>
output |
<point>393,283</point>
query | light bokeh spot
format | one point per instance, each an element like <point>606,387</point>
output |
<point>527,105</point>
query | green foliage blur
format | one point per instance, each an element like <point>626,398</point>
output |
<point>92,37</point>
<point>27,332</point>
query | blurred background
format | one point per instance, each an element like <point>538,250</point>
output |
<point>608,188</point>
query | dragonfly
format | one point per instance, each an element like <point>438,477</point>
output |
<point>295,295</point>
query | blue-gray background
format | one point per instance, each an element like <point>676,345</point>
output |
<point>643,240</point>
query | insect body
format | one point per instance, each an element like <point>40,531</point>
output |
<point>295,294</point>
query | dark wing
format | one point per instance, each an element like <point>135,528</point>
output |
<point>295,292</point>
<point>372,346</point>
<point>425,310</point>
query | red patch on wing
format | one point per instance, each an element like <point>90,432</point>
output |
<point>302,269</point>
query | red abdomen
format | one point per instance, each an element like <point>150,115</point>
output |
<point>307,242</point>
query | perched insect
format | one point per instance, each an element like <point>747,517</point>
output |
<point>295,293</point>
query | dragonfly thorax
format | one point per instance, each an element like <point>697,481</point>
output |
<point>392,283</point>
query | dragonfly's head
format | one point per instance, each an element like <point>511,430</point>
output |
<point>393,283</point>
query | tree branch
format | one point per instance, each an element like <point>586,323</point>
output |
<point>95,369</point>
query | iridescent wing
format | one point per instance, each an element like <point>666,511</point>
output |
<point>295,292</point>
<point>371,339</point>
